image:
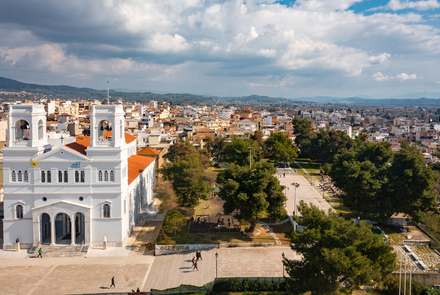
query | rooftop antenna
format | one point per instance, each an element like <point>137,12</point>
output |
<point>108,94</point>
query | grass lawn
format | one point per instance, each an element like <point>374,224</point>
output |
<point>312,166</point>
<point>183,237</point>
<point>211,208</point>
<point>280,231</point>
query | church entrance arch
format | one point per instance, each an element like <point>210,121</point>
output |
<point>62,229</point>
<point>45,228</point>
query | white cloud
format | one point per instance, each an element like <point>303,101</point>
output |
<point>380,77</point>
<point>325,5</point>
<point>404,77</point>
<point>419,5</point>
<point>321,40</point>
<point>374,60</point>
<point>165,43</point>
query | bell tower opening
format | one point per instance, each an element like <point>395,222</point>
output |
<point>22,131</point>
<point>105,131</point>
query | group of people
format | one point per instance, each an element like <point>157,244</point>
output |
<point>222,222</point>
<point>195,259</point>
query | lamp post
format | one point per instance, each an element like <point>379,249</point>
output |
<point>250,157</point>
<point>283,263</point>
<point>296,185</point>
<point>216,256</point>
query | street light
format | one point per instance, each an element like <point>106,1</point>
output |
<point>283,263</point>
<point>216,256</point>
<point>250,157</point>
<point>296,185</point>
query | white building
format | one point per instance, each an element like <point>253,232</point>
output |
<point>84,191</point>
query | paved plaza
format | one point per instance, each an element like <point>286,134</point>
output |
<point>135,266</point>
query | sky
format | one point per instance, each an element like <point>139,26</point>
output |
<point>291,49</point>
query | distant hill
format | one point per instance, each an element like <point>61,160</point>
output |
<point>69,92</point>
<point>13,85</point>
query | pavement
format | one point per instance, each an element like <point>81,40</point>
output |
<point>134,265</point>
<point>304,192</point>
<point>173,270</point>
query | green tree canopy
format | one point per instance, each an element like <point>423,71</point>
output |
<point>251,191</point>
<point>378,184</point>
<point>327,144</point>
<point>215,146</point>
<point>337,255</point>
<point>181,149</point>
<point>280,148</point>
<point>190,179</point>
<point>173,222</point>
<point>237,151</point>
<point>303,131</point>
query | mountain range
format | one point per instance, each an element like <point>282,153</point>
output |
<point>67,92</point>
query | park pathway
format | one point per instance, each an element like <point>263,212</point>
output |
<point>305,192</point>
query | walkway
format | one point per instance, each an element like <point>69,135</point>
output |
<point>305,192</point>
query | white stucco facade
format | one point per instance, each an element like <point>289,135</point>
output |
<point>81,192</point>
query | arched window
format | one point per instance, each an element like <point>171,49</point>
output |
<point>43,176</point>
<point>112,175</point>
<point>83,176</point>
<point>14,176</point>
<point>19,211</point>
<point>20,176</point>
<point>100,175</point>
<point>106,211</point>
<point>106,175</point>
<point>60,176</point>
<point>25,176</point>
<point>49,176</point>
<point>40,129</point>
<point>66,178</point>
<point>76,176</point>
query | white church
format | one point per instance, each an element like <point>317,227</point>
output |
<point>79,193</point>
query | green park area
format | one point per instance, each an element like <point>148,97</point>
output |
<point>214,202</point>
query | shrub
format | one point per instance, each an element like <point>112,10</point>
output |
<point>247,285</point>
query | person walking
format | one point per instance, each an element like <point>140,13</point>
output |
<point>113,283</point>
<point>194,259</point>
<point>195,265</point>
<point>200,256</point>
<point>40,253</point>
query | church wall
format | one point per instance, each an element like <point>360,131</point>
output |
<point>109,228</point>
<point>21,229</point>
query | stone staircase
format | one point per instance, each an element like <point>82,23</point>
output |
<point>59,251</point>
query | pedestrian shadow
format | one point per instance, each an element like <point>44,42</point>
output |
<point>189,260</point>
<point>187,271</point>
<point>186,267</point>
<point>104,287</point>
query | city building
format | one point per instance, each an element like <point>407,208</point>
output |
<point>86,192</point>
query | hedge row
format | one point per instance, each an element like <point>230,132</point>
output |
<point>246,285</point>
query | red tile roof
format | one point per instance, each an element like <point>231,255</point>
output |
<point>82,144</point>
<point>149,151</point>
<point>137,164</point>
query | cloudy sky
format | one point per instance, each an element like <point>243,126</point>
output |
<point>302,48</point>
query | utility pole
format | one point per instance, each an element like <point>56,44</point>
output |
<point>404,284</point>
<point>296,185</point>
<point>250,157</point>
<point>400,274</point>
